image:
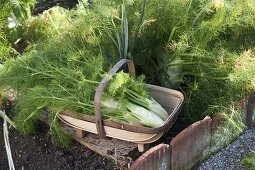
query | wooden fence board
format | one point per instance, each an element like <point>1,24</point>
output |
<point>157,158</point>
<point>189,145</point>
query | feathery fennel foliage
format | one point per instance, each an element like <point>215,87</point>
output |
<point>62,73</point>
<point>195,45</point>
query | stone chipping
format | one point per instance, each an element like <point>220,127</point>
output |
<point>229,158</point>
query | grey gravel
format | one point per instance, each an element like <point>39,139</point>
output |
<point>229,157</point>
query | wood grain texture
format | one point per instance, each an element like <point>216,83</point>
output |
<point>157,158</point>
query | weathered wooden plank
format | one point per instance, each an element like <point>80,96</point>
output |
<point>250,110</point>
<point>157,158</point>
<point>189,145</point>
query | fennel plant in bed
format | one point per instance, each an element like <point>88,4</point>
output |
<point>62,73</point>
<point>195,45</point>
<point>59,87</point>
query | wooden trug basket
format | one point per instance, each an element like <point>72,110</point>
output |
<point>170,100</point>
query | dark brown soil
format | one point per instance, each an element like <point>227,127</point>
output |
<point>38,152</point>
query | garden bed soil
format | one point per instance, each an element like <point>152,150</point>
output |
<point>38,151</point>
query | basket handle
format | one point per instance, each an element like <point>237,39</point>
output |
<point>100,90</point>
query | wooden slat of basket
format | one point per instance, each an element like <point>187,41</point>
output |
<point>110,131</point>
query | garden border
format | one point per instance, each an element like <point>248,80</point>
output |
<point>193,144</point>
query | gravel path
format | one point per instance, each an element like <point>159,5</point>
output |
<point>229,158</point>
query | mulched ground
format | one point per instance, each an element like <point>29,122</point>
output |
<point>39,152</point>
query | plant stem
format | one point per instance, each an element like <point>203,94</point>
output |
<point>140,23</point>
